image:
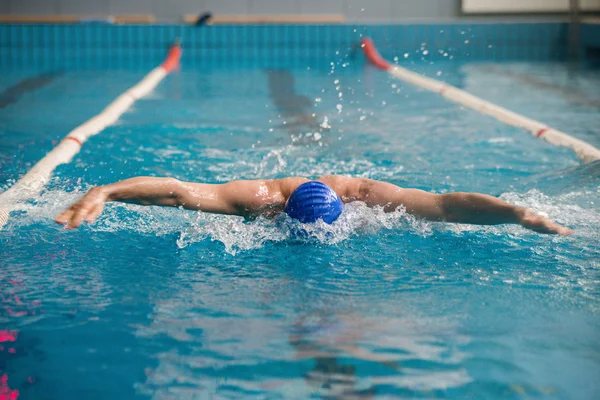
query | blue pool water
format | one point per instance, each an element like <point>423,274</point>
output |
<point>166,304</point>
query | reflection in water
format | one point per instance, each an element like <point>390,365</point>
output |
<point>322,338</point>
<point>356,354</point>
<point>13,94</point>
<point>571,94</point>
<point>283,94</point>
<point>299,118</point>
<point>237,336</point>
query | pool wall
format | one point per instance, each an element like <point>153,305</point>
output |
<point>590,40</point>
<point>275,46</point>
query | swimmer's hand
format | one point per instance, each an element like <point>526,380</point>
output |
<point>87,209</point>
<point>530,220</point>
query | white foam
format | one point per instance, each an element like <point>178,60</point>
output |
<point>239,235</point>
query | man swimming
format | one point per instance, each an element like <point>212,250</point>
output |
<point>305,200</point>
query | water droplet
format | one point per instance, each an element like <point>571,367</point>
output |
<point>425,52</point>
<point>406,55</point>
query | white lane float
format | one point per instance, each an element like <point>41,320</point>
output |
<point>585,151</point>
<point>32,183</point>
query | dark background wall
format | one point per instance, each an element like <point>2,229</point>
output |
<point>354,10</point>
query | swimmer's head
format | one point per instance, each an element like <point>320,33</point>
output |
<point>312,201</point>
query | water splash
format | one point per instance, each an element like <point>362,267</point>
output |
<point>564,209</point>
<point>239,235</point>
<point>116,216</point>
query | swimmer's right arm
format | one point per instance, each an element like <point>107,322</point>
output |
<point>229,198</point>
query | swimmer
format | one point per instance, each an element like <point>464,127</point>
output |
<point>305,200</point>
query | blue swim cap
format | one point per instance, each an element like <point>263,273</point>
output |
<point>313,200</point>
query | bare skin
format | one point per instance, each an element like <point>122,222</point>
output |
<point>251,198</point>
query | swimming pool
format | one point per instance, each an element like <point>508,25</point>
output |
<point>164,303</point>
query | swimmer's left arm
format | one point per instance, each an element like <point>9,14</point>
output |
<point>466,208</point>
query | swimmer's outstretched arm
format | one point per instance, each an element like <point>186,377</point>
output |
<point>466,208</point>
<point>242,198</point>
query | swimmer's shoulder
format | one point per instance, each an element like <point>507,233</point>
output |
<point>347,187</point>
<point>287,185</point>
<point>351,188</point>
<point>335,180</point>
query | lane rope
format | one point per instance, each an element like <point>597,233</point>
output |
<point>32,183</point>
<point>585,151</point>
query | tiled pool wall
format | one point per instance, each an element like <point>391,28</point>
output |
<point>590,40</point>
<point>274,46</point>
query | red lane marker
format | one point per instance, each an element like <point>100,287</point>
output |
<point>541,132</point>
<point>172,60</point>
<point>75,140</point>
<point>373,55</point>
